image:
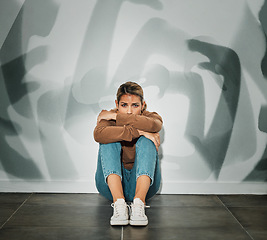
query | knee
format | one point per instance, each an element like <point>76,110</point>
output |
<point>110,146</point>
<point>145,142</point>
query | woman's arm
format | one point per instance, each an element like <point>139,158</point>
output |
<point>114,127</point>
<point>106,131</point>
<point>147,122</point>
<point>107,115</point>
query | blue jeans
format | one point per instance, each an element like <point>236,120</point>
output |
<point>146,163</point>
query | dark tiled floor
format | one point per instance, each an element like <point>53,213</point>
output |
<point>86,216</point>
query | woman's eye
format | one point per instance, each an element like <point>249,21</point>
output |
<point>124,105</point>
<point>136,105</point>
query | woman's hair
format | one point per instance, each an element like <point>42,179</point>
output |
<point>131,88</point>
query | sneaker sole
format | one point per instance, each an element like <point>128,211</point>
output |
<point>138,223</point>
<point>119,223</point>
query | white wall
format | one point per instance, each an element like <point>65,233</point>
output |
<point>201,64</point>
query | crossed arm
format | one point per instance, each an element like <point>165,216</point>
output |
<point>112,127</point>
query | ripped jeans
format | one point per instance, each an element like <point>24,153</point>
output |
<point>146,163</point>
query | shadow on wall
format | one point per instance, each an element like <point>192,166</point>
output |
<point>39,17</point>
<point>214,145</point>
<point>156,36</point>
<point>16,162</point>
<point>222,61</point>
<point>259,173</point>
<point>263,21</point>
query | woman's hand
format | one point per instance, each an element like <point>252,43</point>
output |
<point>154,137</point>
<point>107,115</point>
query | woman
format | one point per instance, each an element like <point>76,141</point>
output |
<point>128,166</point>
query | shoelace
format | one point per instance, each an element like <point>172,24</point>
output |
<point>119,208</point>
<point>138,209</point>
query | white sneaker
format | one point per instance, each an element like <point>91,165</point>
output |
<point>120,213</point>
<point>138,216</point>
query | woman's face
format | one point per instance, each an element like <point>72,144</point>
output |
<point>130,104</point>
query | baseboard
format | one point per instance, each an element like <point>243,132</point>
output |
<point>166,188</point>
<point>213,188</point>
<point>48,186</point>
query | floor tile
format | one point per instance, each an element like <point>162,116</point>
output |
<point>67,200</point>
<point>43,233</point>
<point>9,203</point>
<point>17,198</point>
<point>177,233</point>
<point>86,216</point>
<point>253,219</point>
<point>61,216</point>
<point>185,200</point>
<point>6,210</point>
<point>244,200</point>
<point>182,217</point>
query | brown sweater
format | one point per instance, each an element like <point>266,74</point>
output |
<point>124,130</point>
